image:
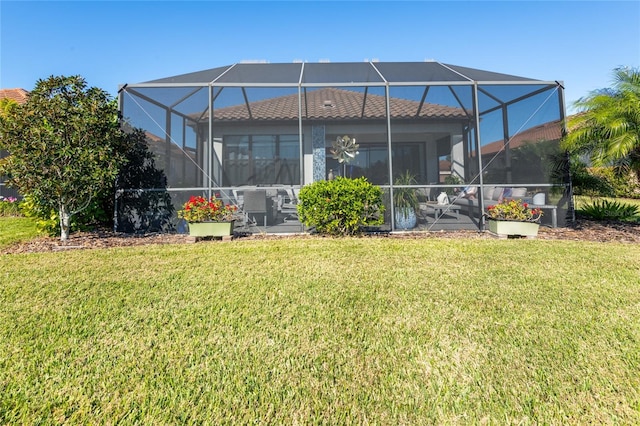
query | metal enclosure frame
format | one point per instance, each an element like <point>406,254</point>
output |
<point>473,99</point>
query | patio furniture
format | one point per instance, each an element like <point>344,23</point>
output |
<point>441,209</point>
<point>289,205</point>
<point>255,203</point>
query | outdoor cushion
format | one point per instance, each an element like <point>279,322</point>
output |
<point>519,192</point>
<point>497,193</point>
<point>487,192</point>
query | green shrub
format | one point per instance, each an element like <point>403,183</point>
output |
<point>341,206</point>
<point>589,184</point>
<point>621,182</point>
<point>609,210</point>
<point>603,181</point>
<point>46,218</point>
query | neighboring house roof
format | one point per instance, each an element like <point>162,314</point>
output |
<point>546,132</point>
<point>332,103</point>
<point>158,147</point>
<point>18,95</point>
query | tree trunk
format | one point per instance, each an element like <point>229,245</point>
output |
<point>65,218</point>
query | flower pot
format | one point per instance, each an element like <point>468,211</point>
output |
<point>512,228</point>
<point>211,229</point>
<point>405,218</point>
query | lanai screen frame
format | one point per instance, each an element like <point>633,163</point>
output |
<point>386,75</point>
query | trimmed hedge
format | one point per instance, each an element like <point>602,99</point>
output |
<point>341,206</point>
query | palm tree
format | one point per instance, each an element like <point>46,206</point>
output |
<point>607,128</point>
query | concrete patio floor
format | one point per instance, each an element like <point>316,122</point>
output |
<point>426,222</point>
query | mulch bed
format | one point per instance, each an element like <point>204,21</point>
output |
<point>582,230</point>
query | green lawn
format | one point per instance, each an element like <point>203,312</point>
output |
<point>323,331</point>
<point>15,229</point>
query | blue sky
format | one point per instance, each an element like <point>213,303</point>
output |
<point>115,42</point>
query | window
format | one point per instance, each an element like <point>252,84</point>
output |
<point>261,159</point>
<point>373,159</point>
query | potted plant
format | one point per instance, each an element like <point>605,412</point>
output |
<point>208,217</point>
<point>405,201</point>
<point>513,217</point>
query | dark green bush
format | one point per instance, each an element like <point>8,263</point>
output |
<point>341,206</point>
<point>609,210</point>
<point>620,181</point>
<point>603,181</point>
<point>586,183</point>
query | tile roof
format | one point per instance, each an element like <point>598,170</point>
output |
<point>544,132</point>
<point>18,95</point>
<point>158,147</point>
<point>332,103</point>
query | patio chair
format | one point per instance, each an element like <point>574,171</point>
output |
<point>289,205</point>
<point>254,203</point>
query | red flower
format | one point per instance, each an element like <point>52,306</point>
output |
<point>201,209</point>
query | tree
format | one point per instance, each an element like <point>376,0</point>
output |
<point>607,128</point>
<point>136,210</point>
<point>6,105</point>
<point>64,145</point>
